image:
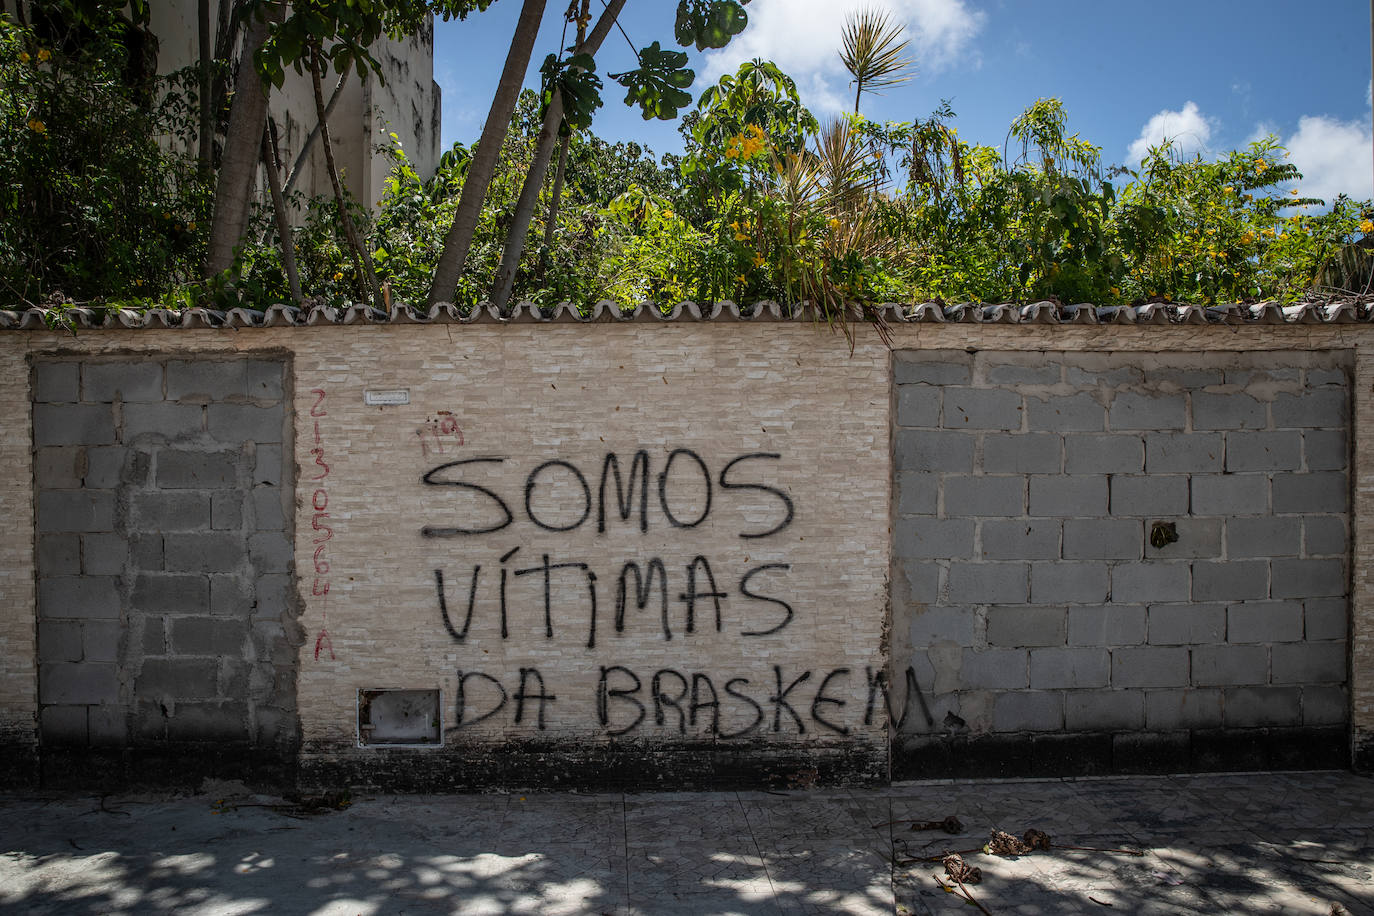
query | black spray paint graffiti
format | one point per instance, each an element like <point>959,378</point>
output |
<point>635,583</point>
<point>499,515</point>
<point>675,701</point>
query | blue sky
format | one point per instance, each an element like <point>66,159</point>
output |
<point>1212,73</point>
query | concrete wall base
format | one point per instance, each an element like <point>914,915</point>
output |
<point>1103,753</point>
<point>636,765</point>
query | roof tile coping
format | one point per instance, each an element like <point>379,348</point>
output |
<point>1035,313</point>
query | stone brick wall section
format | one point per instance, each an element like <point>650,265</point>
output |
<point>164,591</point>
<point>1028,486</point>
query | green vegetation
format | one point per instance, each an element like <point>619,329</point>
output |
<point>99,205</point>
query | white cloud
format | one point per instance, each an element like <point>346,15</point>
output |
<point>803,38</point>
<point>1334,157</point>
<point>1189,130</point>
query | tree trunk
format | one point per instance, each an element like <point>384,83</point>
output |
<point>362,263</point>
<point>207,102</point>
<point>239,164</point>
<point>484,159</point>
<point>284,237</point>
<point>294,175</point>
<point>551,220</point>
<point>539,168</point>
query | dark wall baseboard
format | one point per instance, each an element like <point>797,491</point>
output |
<point>1104,753</point>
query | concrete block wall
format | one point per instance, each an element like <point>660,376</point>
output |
<point>165,615</point>
<point>1028,487</point>
<point>573,393</point>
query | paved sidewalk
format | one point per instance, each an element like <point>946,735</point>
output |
<point>1281,843</point>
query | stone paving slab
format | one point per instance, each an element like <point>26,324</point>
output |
<point>1299,843</point>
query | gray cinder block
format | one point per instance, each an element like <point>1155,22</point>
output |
<point>1154,495</point>
<point>1235,580</point>
<point>1264,451</point>
<point>1069,583</point>
<point>985,496</point>
<point>982,408</point>
<point>1034,453</point>
<point>1264,622</point>
<point>931,450</point>
<point>170,510</point>
<point>194,470</point>
<point>940,624</point>
<point>1321,408</point>
<point>1307,493</point>
<point>1150,667</point>
<point>73,424</point>
<point>78,597</point>
<point>1109,625</point>
<point>1070,668</point>
<point>1230,494</point>
<point>237,423</point>
<point>1214,410</point>
<point>1107,454</point>
<point>932,367</point>
<point>75,510</point>
<point>1149,583</point>
<point>1028,711</point>
<point>1066,413</point>
<point>1168,710</point>
<point>993,669</point>
<point>1221,666</point>
<point>987,583</point>
<point>204,552</point>
<point>55,382</point>
<point>1068,495</point>
<point>1326,449</point>
<point>1309,578</point>
<point>1187,624</point>
<point>1263,536</point>
<point>78,683</point>
<point>1022,627</point>
<point>170,421</point>
<point>933,538</point>
<point>1310,663</point>
<point>1131,410</point>
<point>1104,710</point>
<point>1021,539</point>
<point>1326,618</point>
<point>1103,539</point>
<point>918,405</point>
<point>1184,453</point>
<point>125,381</point>
<point>1249,707</point>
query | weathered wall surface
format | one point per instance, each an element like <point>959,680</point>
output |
<point>164,606</point>
<point>1036,497</point>
<point>398,505</point>
<point>760,532</point>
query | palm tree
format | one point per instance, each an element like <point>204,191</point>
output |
<point>484,158</point>
<point>873,52</point>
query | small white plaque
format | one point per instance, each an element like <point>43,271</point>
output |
<point>390,397</point>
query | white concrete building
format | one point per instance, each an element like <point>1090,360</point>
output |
<point>406,102</point>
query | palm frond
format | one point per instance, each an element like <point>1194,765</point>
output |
<point>874,52</point>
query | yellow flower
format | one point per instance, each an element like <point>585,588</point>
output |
<point>1268,232</point>
<point>1247,238</point>
<point>338,275</point>
<point>834,224</point>
<point>191,226</point>
<point>1116,291</point>
<point>741,279</point>
<point>1294,192</point>
<point>38,127</point>
<point>1367,226</point>
<point>1261,166</point>
<point>741,235</point>
<point>24,57</point>
<point>44,54</point>
<point>759,260</point>
<point>1229,190</point>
